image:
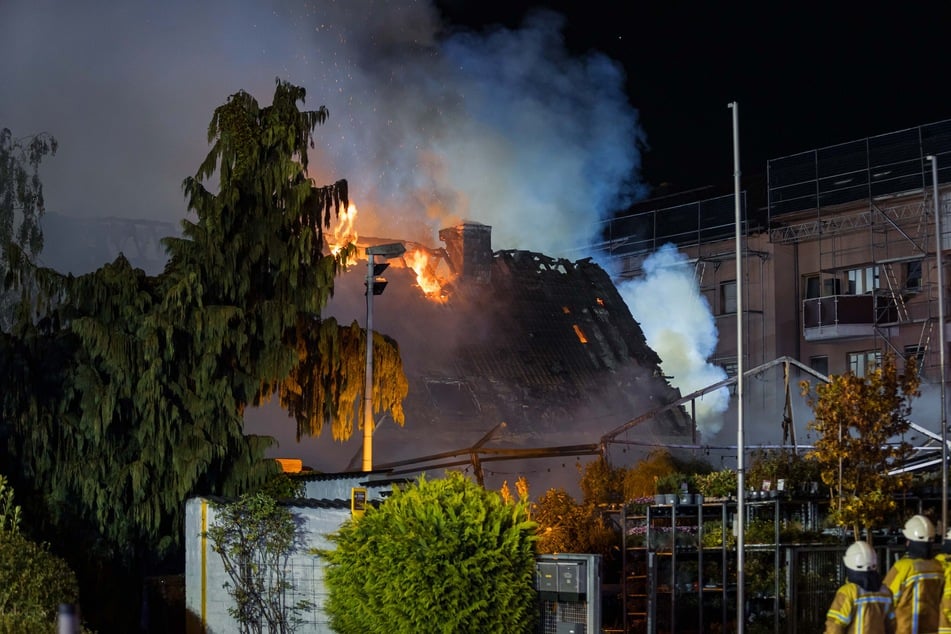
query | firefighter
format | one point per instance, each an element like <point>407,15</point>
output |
<point>862,605</point>
<point>917,580</point>
<point>944,558</point>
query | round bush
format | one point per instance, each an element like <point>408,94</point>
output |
<point>33,582</point>
<point>442,556</point>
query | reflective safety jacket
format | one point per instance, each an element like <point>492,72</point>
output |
<point>858,611</point>
<point>944,621</point>
<point>916,585</point>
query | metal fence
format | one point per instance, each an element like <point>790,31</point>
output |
<point>814,573</point>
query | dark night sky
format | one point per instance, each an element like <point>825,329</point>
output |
<point>805,75</point>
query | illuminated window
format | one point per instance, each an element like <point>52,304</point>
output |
<point>566,310</point>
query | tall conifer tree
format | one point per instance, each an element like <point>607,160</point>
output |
<point>126,392</point>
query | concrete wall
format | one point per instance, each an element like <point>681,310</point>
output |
<point>207,601</point>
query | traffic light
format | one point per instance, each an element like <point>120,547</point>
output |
<point>379,283</point>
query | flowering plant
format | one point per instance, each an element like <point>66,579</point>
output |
<point>638,506</point>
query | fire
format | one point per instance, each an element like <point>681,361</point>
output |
<point>420,262</point>
<point>343,232</point>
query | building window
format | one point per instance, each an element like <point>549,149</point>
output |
<point>831,286</point>
<point>811,286</point>
<point>917,353</point>
<point>864,280</point>
<point>820,364</point>
<point>913,275</point>
<point>728,298</point>
<point>861,363</point>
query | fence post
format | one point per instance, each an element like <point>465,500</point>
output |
<point>67,621</point>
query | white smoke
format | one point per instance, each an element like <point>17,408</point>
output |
<point>430,124</point>
<point>678,324</point>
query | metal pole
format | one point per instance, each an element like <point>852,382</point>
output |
<point>67,620</point>
<point>368,377</point>
<point>941,342</point>
<point>740,477</point>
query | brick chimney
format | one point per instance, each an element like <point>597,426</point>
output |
<point>469,247</point>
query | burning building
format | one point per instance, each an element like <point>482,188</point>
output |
<point>518,353</point>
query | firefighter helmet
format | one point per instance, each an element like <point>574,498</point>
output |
<point>918,528</point>
<point>860,557</point>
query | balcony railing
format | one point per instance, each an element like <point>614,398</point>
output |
<point>844,316</point>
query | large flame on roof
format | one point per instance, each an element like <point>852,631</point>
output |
<point>417,258</point>
<point>426,277</point>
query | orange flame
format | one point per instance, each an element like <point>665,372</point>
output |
<point>423,264</point>
<point>344,232</point>
<point>419,261</point>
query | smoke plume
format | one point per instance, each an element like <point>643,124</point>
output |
<point>430,125</point>
<point>679,326</point>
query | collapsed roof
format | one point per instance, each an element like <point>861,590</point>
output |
<point>545,345</point>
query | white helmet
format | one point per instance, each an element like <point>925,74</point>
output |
<point>918,528</point>
<point>860,557</point>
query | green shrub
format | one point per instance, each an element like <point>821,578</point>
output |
<point>717,484</point>
<point>672,482</point>
<point>33,622</point>
<point>641,479</point>
<point>33,582</point>
<point>442,556</point>
<point>9,512</point>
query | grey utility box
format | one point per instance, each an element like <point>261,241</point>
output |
<point>569,593</point>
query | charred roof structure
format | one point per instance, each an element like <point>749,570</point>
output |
<point>543,345</point>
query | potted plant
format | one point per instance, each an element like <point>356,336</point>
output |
<point>717,485</point>
<point>669,486</point>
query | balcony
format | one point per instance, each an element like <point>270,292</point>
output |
<point>846,316</point>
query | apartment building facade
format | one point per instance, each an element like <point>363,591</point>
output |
<point>839,253</point>
<point>860,220</point>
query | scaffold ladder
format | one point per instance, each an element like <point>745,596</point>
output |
<point>698,270</point>
<point>924,338</point>
<point>894,292</point>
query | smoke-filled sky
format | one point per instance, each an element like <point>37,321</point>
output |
<point>447,109</point>
<point>503,126</point>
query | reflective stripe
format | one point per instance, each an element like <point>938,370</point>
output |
<point>860,611</point>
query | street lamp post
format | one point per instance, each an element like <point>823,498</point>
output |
<point>939,247</point>
<point>740,430</point>
<point>375,286</point>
